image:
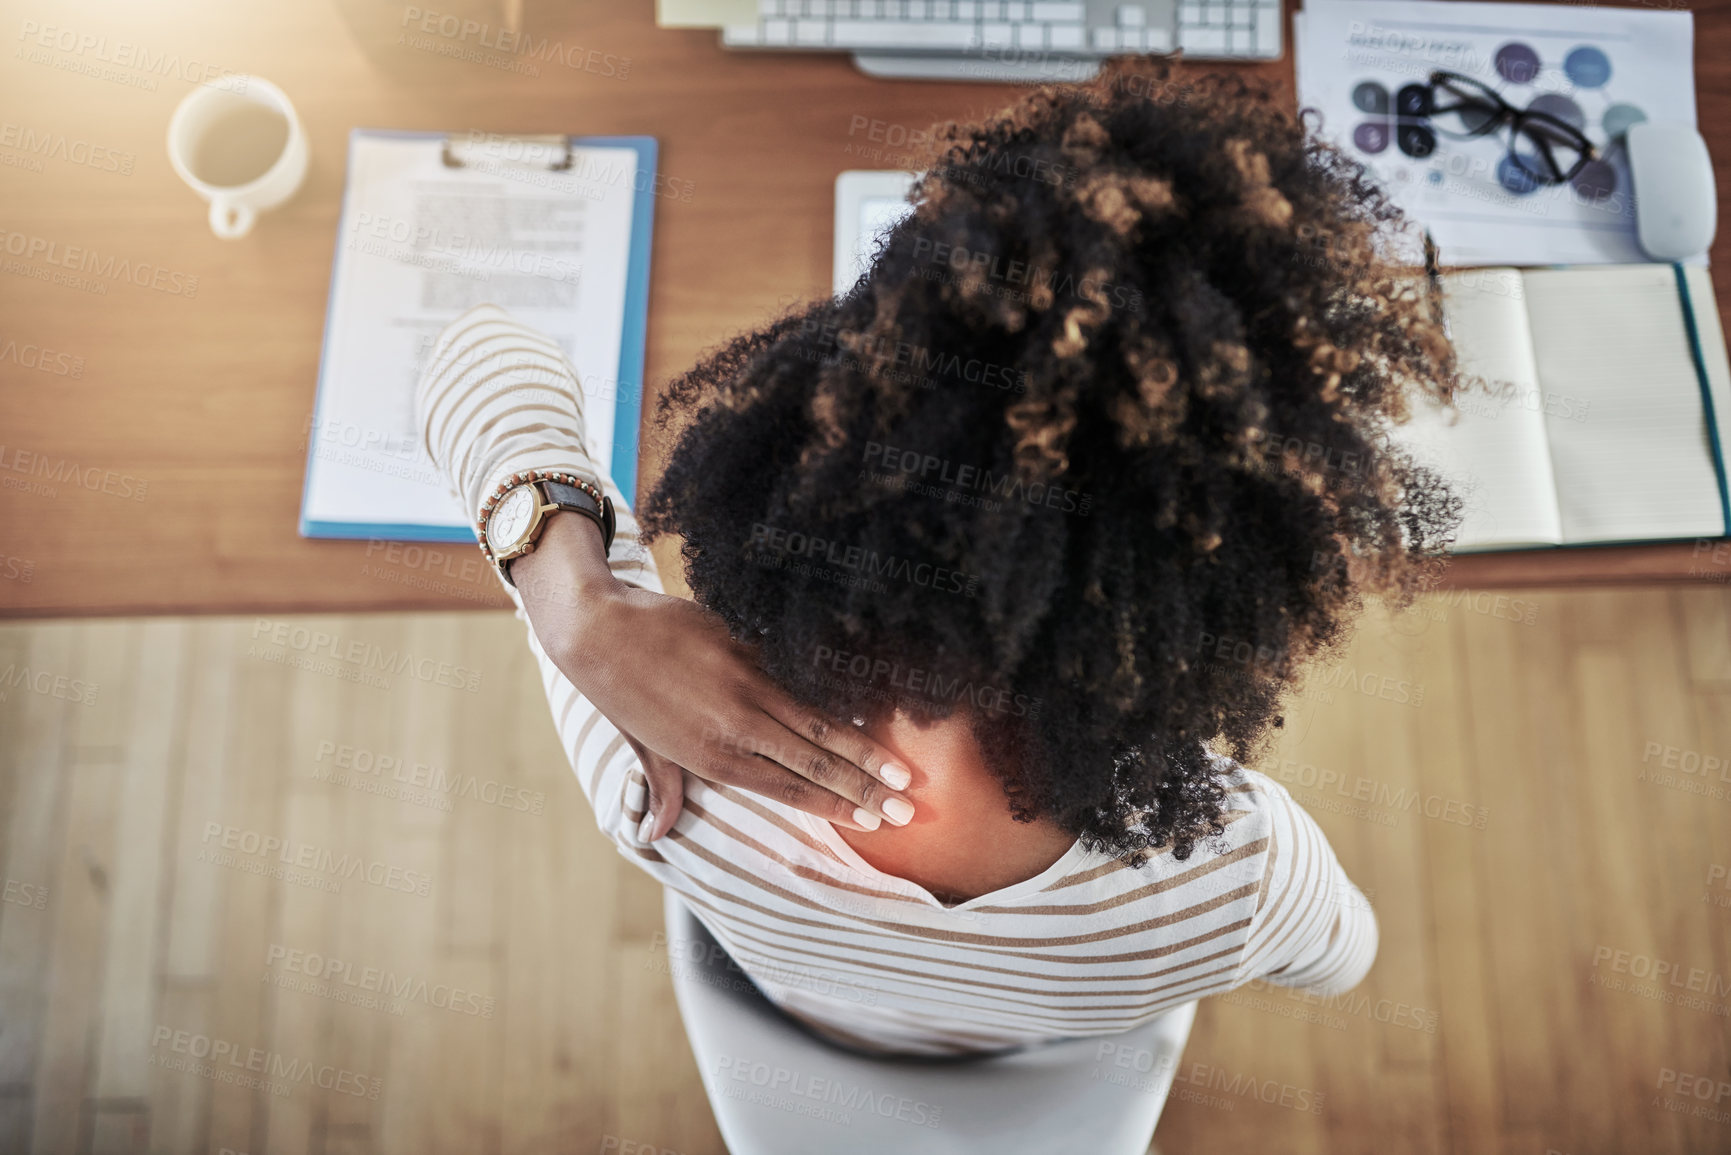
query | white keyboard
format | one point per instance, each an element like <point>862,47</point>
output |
<point>1019,30</point>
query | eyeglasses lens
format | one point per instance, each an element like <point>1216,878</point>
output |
<point>1464,108</point>
<point>1547,152</point>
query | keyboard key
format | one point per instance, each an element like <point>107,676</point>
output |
<point>1206,28</point>
<point>1268,36</point>
<point>1066,36</point>
<point>903,34</point>
<point>1209,40</point>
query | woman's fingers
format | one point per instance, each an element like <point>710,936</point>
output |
<point>666,792</point>
<point>666,796</point>
<point>820,782</point>
<point>772,779</point>
<point>847,741</point>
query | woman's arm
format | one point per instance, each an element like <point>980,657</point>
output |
<point>498,398</point>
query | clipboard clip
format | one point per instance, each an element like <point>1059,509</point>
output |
<point>513,149</point>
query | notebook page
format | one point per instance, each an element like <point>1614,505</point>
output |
<point>1491,447</point>
<point>421,243</point>
<point>1633,461</point>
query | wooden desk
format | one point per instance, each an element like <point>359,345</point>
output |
<point>181,436</point>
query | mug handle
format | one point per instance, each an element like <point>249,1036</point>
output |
<point>230,221</point>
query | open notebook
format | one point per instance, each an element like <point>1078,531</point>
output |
<point>1609,399</point>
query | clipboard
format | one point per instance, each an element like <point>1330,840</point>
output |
<point>363,368</point>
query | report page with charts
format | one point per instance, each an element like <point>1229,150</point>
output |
<point>1365,67</point>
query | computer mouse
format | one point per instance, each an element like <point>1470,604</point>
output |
<point>1676,202</point>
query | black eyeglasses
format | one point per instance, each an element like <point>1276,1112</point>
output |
<point>1545,147</point>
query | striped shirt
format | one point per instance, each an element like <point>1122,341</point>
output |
<point>1089,946</point>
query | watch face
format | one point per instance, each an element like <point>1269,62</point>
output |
<point>510,519</point>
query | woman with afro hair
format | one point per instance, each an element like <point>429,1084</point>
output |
<point>1002,562</point>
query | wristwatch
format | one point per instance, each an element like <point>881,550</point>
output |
<point>514,516</point>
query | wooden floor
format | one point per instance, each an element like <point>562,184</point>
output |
<point>196,825</point>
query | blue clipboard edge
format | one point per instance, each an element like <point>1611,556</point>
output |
<point>370,531</point>
<point>628,407</point>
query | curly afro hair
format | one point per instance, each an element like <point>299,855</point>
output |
<point>1096,451</point>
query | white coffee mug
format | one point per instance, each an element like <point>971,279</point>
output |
<point>241,147</point>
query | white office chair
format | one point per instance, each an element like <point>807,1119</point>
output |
<point>777,1089</point>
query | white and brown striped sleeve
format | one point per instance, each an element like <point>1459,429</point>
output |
<point>1312,928</point>
<point>498,397</point>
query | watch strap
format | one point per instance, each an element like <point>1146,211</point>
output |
<point>569,497</point>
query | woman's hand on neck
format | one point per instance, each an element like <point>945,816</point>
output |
<point>963,841</point>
